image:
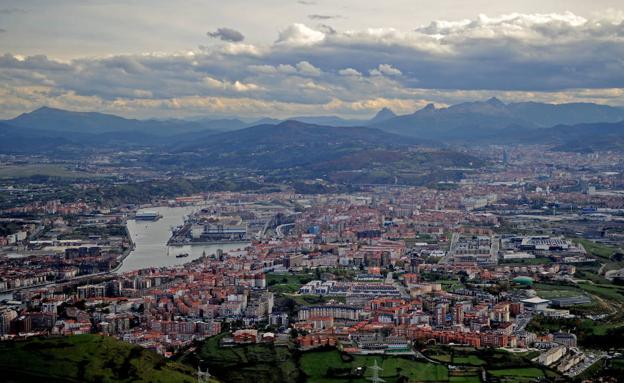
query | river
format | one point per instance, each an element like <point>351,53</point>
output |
<point>150,239</point>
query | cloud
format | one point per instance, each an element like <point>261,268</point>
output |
<point>385,69</point>
<point>349,72</point>
<point>226,85</point>
<point>227,34</point>
<point>2,30</point>
<point>306,2</point>
<point>302,68</point>
<point>11,11</point>
<point>284,69</point>
<point>543,57</point>
<point>308,69</point>
<point>299,34</point>
<point>327,29</point>
<point>317,16</point>
<point>240,49</point>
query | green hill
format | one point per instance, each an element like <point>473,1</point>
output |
<point>86,358</point>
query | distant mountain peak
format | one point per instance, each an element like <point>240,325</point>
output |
<point>495,102</point>
<point>293,124</point>
<point>45,109</point>
<point>383,115</point>
<point>385,109</point>
<point>430,106</point>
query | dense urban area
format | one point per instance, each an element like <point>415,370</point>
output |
<point>507,266</point>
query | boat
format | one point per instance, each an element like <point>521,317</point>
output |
<point>183,255</point>
<point>147,216</point>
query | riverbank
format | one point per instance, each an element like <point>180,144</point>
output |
<point>200,243</point>
<point>125,253</point>
<point>151,247</point>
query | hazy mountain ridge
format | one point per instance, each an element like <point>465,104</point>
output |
<point>587,137</point>
<point>491,121</point>
<point>58,120</point>
<point>296,150</point>
<point>16,140</point>
<point>461,121</point>
<point>290,143</point>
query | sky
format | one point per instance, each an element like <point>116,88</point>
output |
<point>256,58</point>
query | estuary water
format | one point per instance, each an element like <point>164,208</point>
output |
<point>150,239</point>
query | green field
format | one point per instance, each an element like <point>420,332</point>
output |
<point>518,374</point>
<point>529,261</point>
<point>444,358</point>
<point>596,249</point>
<point>465,379</point>
<point>471,360</point>
<point>548,291</point>
<point>49,170</point>
<point>606,291</point>
<point>258,363</point>
<point>450,284</point>
<point>606,298</point>
<point>306,300</point>
<point>267,363</point>
<point>287,283</point>
<point>330,366</point>
<point>468,363</point>
<point>86,358</point>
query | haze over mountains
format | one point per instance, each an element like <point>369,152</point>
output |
<point>287,144</point>
<point>490,121</point>
<point>474,118</point>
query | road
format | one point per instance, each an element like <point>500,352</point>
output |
<point>522,321</point>
<point>279,229</point>
<point>399,286</point>
<point>589,361</point>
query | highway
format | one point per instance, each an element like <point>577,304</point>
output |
<point>279,229</point>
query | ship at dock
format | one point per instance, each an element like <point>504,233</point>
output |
<point>201,230</point>
<point>147,216</point>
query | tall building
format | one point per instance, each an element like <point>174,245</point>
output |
<point>6,316</point>
<point>440,314</point>
<point>458,314</point>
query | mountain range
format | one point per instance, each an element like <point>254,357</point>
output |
<point>491,121</point>
<point>467,120</point>
<point>287,144</point>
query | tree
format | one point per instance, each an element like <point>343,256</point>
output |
<point>294,333</point>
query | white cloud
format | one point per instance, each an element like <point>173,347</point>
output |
<point>241,49</point>
<point>286,69</point>
<point>226,85</point>
<point>240,87</point>
<point>385,69</point>
<point>305,68</point>
<point>263,69</point>
<point>213,83</point>
<point>350,72</point>
<point>299,34</point>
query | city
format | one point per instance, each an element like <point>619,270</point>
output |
<point>312,192</point>
<point>507,258</point>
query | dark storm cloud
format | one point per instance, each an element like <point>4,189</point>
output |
<point>227,34</point>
